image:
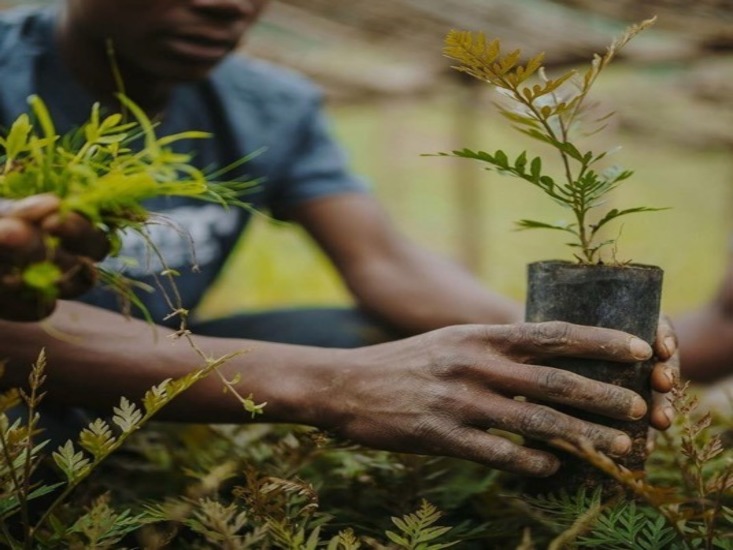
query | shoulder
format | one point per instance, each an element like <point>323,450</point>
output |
<point>264,82</point>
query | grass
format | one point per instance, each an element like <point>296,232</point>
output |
<point>276,266</point>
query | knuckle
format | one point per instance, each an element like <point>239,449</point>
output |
<point>450,352</point>
<point>554,382</point>
<point>539,421</point>
<point>528,339</point>
<point>613,398</point>
<point>600,437</point>
<point>552,334</point>
<point>503,454</point>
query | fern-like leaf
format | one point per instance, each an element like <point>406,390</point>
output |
<point>416,530</point>
<point>345,540</point>
<point>97,438</point>
<point>74,464</point>
<point>127,416</point>
<point>103,527</point>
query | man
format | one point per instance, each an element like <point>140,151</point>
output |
<point>25,227</point>
<point>434,393</point>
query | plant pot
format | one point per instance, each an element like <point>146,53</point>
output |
<point>625,298</point>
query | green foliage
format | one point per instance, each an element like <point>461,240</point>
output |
<point>104,170</point>
<point>20,457</point>
<point>549,111</point>
<point>416,530</point>
<point>96,171</point>
<point>280,487</point>
<point>628,527</point>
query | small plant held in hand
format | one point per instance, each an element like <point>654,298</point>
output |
<point>591,291</point>
<point>550,111</point>
<point>104,171</point>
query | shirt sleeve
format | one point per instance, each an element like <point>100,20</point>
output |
<point>317,166</point>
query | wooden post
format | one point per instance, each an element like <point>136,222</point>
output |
<point>471,210</point>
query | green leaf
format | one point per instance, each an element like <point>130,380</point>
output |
<point>97,438</point>
<point>533,224</point>
<point>522,119</point>
<point>616,213</point>
<point>43,277</point>
<point>157,396</point>
<point>521,162</point>
<point>74,464</point>
<point>397,539</point>
<point>536,169</point>
<point>17,139</point>
<point>501,159</point>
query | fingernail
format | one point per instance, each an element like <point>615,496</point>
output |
<point>670,345</point>
<point>640,349</point>
<point>546,466</point>
<point>621,445</point>
<point>638,408</point>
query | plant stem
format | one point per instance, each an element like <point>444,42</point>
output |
<point>17,485</point>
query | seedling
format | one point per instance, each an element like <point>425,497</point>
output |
<point>96,172</point>
<point>550,111</point>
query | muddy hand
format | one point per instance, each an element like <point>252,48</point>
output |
<point>439,393</point>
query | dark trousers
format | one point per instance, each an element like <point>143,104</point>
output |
<point>320,327</point>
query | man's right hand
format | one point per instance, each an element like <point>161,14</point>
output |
<point>439,393</point>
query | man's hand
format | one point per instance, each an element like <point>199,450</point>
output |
<point>439,393</point>
<point>665,374</point>
<point>27,229</point>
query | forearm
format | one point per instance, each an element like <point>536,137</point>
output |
<point>705,343</point>
<point>406,285</point>
<point>706,336</point>
<point>95,357</point>
<point>417,290</point>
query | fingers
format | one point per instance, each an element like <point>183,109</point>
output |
<point>20,242</point>
<point>535,341</point>
<point>24,306</point>
<point>31,209</point>
<point>562,387</point>
<point>666,372</point>
<point>497,452</point>
<point>543,423</point>
<point>78,235</point>
<point>665,343</point>
<point>25,227</point>
<point>664,377</point>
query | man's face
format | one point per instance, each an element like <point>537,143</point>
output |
<point>175,40</point>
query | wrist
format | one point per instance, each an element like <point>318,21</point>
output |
<point>301,385</point>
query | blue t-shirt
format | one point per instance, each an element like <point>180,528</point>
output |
<point>245,104</point>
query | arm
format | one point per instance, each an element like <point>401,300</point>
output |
<point>706,336</point>
<point>404,284</point>
<point>436,393</point>
<point>418,291</point>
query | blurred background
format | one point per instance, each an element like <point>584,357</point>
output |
<point>393,97</point>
